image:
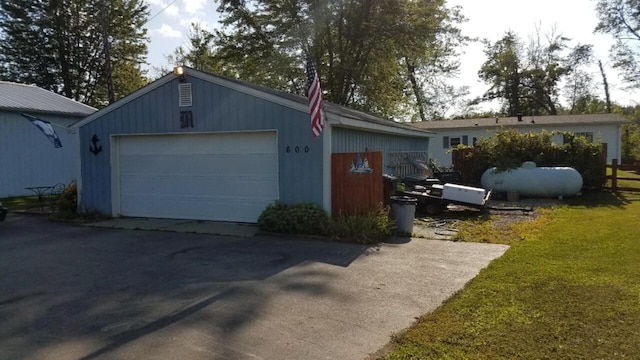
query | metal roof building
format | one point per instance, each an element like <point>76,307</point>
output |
<point>27,157</point>
<point>30,98</point>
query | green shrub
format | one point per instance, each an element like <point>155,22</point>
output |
<point>508,149</point>
<point>67,202</point>
<point>311,219</point>
<point>366,229</point>
<point>302,219</point>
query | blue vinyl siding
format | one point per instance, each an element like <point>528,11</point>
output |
<point>29,159</point>
<point>350,140</point>
<point>215,109</point>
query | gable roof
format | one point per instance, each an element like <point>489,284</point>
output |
<point>280,97</point>
<point>527,121</point>
<point>30,98</point>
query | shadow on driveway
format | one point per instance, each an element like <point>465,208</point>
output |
<point>61,282</point>
<point>71,292</point>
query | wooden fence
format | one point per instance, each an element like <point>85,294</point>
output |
<point>614,176</point>
<point>356,182</point>
<point>461,164</point>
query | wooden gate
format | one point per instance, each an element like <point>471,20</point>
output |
<point>356,182</point>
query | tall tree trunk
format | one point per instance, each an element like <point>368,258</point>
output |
<point>107,56</point>
<point>574,95</point>
<point>514,99</point>
<point>417,91</point>
<point>606,87</point>
<point>61,22</point>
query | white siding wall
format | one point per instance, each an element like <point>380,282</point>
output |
<point>609,134</point>
<point>27,158</point>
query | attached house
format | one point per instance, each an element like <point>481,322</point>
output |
<point>27,157</point>
<point>201,146</point>
<point>451,133</point>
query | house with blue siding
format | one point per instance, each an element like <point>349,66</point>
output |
<point>207,147</point>
<point>27,158</point>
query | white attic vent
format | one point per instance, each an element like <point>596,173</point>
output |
<point>184,95</point>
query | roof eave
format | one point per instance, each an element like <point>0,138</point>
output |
<point>341,121</point>
<point>493,126</point>
<point>125,100</point>
<point>48,112</point>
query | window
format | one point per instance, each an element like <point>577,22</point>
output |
<point>448,142</point>
<point>586,135</point>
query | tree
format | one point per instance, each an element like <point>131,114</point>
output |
<point>371,55</point>
<point>27,54</point>
<point>199,53</point>
<point>60,46</point>
<point>621,19</point>
<point>525,78</point>
<point>503,71</point>
<point>440,99</point>
<point>128,38</point>
<point>579,82</point>
<point>605,84</point>
<point>546,68</point>
<point>429,63</point>
<point>631,135</point>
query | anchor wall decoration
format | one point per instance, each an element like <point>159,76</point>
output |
<point>95,148</point>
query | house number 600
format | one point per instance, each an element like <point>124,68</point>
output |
<point>296,149</point>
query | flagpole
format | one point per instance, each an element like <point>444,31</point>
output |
<point>307,55</point>
<point>66,128</point>
<point>54,124</point>
<point>57,125</point>
<point>62,127</point>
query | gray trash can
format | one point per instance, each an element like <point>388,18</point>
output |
<point>403,211</point>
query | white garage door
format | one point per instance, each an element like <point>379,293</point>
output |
<point>223,176</point>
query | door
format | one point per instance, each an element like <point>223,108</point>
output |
<point>214,176</point>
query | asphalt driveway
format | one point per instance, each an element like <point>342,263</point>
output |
<point>70,292</point>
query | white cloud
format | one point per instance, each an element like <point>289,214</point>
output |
<point>167,31</point>
<point>194,6</point>
<point>163,7</point>
<point>172,10</point>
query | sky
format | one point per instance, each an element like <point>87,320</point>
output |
<point>168,26</point>
<point>490,19</point>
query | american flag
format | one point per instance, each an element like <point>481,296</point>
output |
<point>315,99</point>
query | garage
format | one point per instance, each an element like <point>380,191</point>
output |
<point>199,146</point>
<point>205,176</point>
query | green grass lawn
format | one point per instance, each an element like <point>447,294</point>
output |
<point>568,288</point>
<point>20,202</point>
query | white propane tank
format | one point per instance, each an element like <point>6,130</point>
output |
<point>529,180</point>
